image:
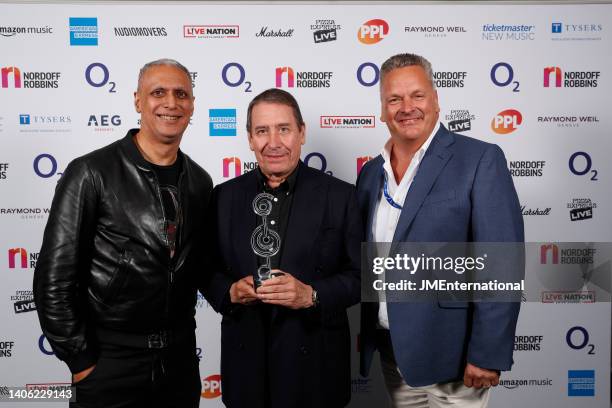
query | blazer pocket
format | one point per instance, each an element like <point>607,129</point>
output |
<point>440,196</point>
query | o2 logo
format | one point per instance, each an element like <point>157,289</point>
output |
<point>502,75</point>
<point>582,166</point>
<point>323,162</point>
<point>373,74</point>
<point>577,338</point>
<point>233,66</point>
<point>45,166</point>
<point>93,77</point>
<point>44,346</point>
<point>199,353</point>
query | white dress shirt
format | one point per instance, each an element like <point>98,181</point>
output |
<point>385,215</point>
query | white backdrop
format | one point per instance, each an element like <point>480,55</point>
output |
<point>75,97</point>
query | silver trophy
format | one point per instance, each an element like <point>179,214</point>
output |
<point>265,242</point>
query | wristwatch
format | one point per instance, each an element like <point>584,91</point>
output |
<point>315,298</point>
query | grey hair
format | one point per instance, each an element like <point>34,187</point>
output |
<point>407,60</point>
<point>159,62</point>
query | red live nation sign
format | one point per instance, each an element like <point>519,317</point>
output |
<point>348,121</point>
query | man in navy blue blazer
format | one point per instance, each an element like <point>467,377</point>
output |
<point>432,185</point>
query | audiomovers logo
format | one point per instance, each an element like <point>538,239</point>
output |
<point>140,31</point>
<point>31,80</point>
<point>515,32</point>
<point>352,122</point>
<point>222,122</point>
<point>234,167</point>
<point>211,31</point>
<point>12,31</point>
<point>373,31</point>
<point>211,386</point>
<point>506,121</point>
<point>303,79</point>
<point>570,79</point>
<point>83,31</point>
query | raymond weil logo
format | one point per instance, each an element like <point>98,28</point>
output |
<point>373,31</point>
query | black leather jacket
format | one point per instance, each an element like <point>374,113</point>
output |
<point>105,261</point>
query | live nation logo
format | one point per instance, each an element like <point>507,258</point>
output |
<point>459,120</point>
<point>339,122</point>
<point>211,31</point>
<point>581,209</point>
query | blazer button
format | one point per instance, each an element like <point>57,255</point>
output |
<point>304,350</point>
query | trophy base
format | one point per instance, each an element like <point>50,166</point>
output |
<point>263,274</point>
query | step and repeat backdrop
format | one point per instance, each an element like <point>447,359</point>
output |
<point>533,79</point>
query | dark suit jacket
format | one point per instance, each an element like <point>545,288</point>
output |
<point>462,192</point>
<point>305,362</point>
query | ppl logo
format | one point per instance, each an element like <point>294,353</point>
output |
<point>506,121</point>
<point>290,77</point>
<point>16,77</point>
<point>552,71</point>
<point>84,31</point>
<point>546,249</point>
<point>361,161</point>
<point>17,254</point>
<point>373,31</point>
<point>211,386</point>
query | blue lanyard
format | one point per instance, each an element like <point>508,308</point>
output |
<point>386,193</point>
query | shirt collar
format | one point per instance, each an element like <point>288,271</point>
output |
<point>386,150</point>
<point>287,185</point>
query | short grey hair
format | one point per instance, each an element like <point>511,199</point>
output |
<point>407,60</point>
<point>159,62</point>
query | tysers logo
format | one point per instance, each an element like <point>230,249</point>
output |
<point>373,31</point>
<point>506,121</point>
<point>211,386</point>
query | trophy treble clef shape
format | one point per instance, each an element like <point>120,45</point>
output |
<point>265,242</point>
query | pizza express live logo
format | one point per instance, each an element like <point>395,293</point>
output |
<point>13,77</point>
<point>23,301</point>
<point>581,209</point>
<point>325,31</point>
<point>459,120</point>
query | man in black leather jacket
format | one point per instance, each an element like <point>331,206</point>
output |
<point>115,284</point>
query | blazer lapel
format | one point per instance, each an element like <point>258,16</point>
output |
<point>374,196</point>
<point>432,164</point>
<point>245,222</point>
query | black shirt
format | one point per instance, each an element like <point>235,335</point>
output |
<point>168,177</point>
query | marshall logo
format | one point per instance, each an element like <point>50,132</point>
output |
<point>535,211</point>
<point>267,33</point>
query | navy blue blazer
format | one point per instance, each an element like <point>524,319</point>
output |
<point>303,357</point>
<point>462,192</point>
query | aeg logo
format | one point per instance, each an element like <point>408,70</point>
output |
<point>211,386</point>
<point>506,121</point>
<point>373,31</point>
